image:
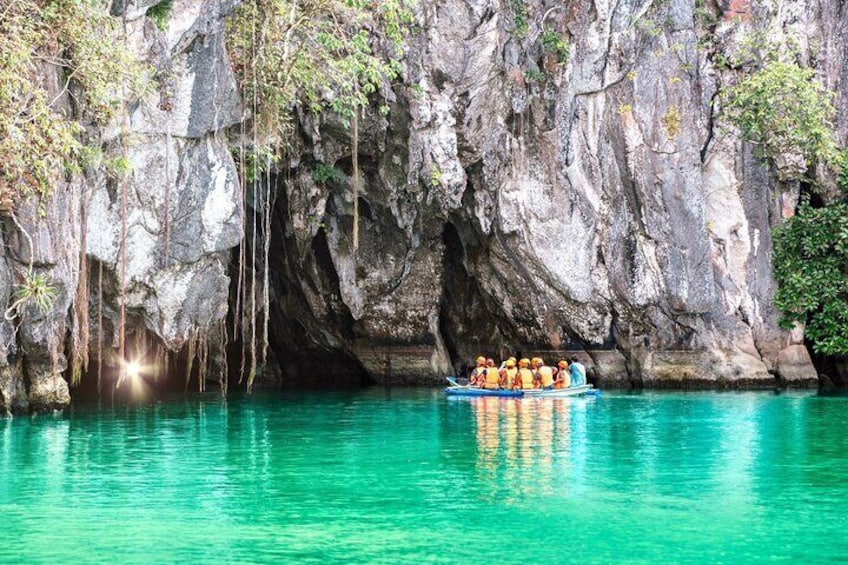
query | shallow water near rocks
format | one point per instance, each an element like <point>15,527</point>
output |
<point>388,476</point>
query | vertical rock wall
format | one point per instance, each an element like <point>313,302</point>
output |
<point>599,205</point>
<point>182,213</point>
<point>509,202</point>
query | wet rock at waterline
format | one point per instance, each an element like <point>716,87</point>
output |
<point>508,202</point>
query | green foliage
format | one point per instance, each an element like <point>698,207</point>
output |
<point>316,55</point>
<point>811,268</point>
<point>519,17</point>
<point>37,142</point>
<point>671,121</point>
<point>323,173</point>
<point>841,165</point>
<point>704,15</point>
<point>36,289</point>
<point>257,162</point>
<point>435,176</point>
<point>160,13</point>
<point>783,108</point>
<point>555,44</point>
<point>533,75</point>
<point>649,27</point>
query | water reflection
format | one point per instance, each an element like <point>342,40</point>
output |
<point>529,447</point>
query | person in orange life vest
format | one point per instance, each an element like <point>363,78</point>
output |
<point>544,374</point>
<point>563,375</point>
<point>509,373</point>
<point>491,378</point>
<point>525,375</point>
<point>478,375</point>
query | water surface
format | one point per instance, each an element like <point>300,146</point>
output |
<point>383,476</point>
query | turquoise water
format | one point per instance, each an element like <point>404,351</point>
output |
<point>409,476</point>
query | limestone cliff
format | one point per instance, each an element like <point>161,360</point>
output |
<point>517,203</point>
<point>512,199</point>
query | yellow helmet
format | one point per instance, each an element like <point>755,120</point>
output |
<point>524,363</point>
<point>481,360</point>
<point>563,364</point>
<point>510,362</point>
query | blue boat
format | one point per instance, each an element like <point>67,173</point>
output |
<point>477,391</point>
<point>457,389</point>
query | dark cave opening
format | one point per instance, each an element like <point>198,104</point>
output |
<point>304,351</point>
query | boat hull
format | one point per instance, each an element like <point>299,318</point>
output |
<point>459,390</point>
<point>474,391</point>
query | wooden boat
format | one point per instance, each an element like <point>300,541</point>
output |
<point>456,389</point>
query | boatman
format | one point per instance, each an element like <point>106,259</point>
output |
<point>525,379</point>
<point>492,379</point>
<point>578,372</point>
<point>544,374</point>
<point>479,372</point>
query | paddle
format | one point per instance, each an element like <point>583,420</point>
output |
<point>453,382</point>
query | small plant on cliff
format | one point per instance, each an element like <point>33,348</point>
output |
<point>555,44</point>
<point>782,108</point>
<point>519,17</point>
<point>811,268</point>
<point>435,176</point>
<point>160,13</point>
<point>36,290</point>
<point>533,75</point>
<point>671,121</point>
<point>323,174</point>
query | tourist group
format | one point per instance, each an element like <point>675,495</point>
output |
<point>527,374</point>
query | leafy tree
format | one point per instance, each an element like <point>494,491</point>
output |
<point>783,109</point>
<point>811,267</point>
<point>312,54</point>
<point>37,140</point>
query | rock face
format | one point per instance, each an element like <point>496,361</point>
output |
<point>515,199</point>
<point>516,203</point>
<point>181,209</point>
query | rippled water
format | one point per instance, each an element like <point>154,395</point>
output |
<point>410,476</point>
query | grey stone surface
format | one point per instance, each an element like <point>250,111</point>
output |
<point>794,366</point>
<point>508,203</point>
<point>606,208</point>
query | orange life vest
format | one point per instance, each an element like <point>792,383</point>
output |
<point>509,376</point>
<point>547,376</point>
<point>526,377</point>
<point>492,379</point>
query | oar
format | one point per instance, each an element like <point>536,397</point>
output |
<point>452,381</point>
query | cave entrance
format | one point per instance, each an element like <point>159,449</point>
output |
<point>303,351</point>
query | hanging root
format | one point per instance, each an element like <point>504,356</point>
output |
<point>223,369</point>
<point>192,353</point>
<point>80,331</point>
<point>99,326</point>
<point>354,157</point>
